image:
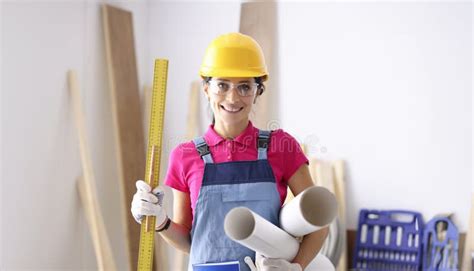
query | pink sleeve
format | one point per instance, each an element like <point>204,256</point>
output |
<point>293,156</point>
<point>175,177</point>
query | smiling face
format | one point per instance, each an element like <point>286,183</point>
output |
<point>230,108</point>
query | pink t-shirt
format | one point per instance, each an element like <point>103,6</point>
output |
<point>186,168</point>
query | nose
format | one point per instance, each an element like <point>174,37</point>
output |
<point>232,95</point>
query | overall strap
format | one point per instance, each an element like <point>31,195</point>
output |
<point>262,144</point>
<point>203,150</point>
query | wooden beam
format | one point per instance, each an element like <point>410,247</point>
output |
<point>467,259</point>
<point>340,192</point>
<point>351,244</point>
<point>194,113</point>
<point>124,90</point>
<point>100,239</point>
<point>259,20</point>
<point>87,185</point>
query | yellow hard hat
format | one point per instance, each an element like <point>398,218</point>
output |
<point>234,55</point>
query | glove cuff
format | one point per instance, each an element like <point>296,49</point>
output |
<point>166,226</point>
<point>160,219</point>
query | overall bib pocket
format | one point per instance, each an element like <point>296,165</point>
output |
<point>257,202</point>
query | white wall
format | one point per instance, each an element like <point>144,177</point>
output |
<point>43,226</point>
<point>386,86</point>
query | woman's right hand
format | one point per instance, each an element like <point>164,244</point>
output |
<point>148,203</point>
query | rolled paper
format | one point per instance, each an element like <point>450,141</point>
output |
<point>253,231</point>
<point>320,263</point>
<point>313,209</point>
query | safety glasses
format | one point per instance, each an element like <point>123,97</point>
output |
<point>221,87</point>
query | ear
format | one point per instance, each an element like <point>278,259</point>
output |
<point>205,88</point>
<point>259,92</point>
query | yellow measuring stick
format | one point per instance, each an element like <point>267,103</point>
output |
<point>152,172</point>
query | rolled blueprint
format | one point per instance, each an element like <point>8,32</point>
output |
<point>251,230</point>
<point>320,263</point>
<point>311,210</point>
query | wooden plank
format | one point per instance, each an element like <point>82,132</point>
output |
<point>340,192</point>
<point>87,185</point>
<point>100,239</point>
<point>324,174</point>
<point>193,120</point>
<point>351,244</point>
<point>259,20</point>
<point>467,260</point>
<point>123,84</point>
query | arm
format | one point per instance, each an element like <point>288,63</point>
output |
<point>312,242</point>
<point>178,234</point>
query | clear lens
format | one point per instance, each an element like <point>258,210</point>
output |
<point>223,87</point>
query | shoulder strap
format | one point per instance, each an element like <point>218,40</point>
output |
<point>262,144</point>
<point>203,149</point>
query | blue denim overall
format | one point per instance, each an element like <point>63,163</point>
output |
<point>225,186</point>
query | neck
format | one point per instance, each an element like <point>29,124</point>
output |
<point>230,131</point>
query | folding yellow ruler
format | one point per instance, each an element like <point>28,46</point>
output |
<point>155,135</point>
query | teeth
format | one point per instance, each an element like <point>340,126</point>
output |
<point>231,109</point>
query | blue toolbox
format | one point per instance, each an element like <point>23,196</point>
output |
<point>389,240</point>
<point>440,245</point>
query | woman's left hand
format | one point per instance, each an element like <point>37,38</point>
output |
<point>266,264</point>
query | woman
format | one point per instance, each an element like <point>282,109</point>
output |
<point>233,164</point>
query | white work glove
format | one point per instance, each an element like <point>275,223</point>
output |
<point>268,264</point>
<point>148,203</point>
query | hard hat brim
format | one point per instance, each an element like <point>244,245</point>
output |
<point>233,73</point>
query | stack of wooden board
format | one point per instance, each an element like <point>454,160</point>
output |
<point>87,186</point>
